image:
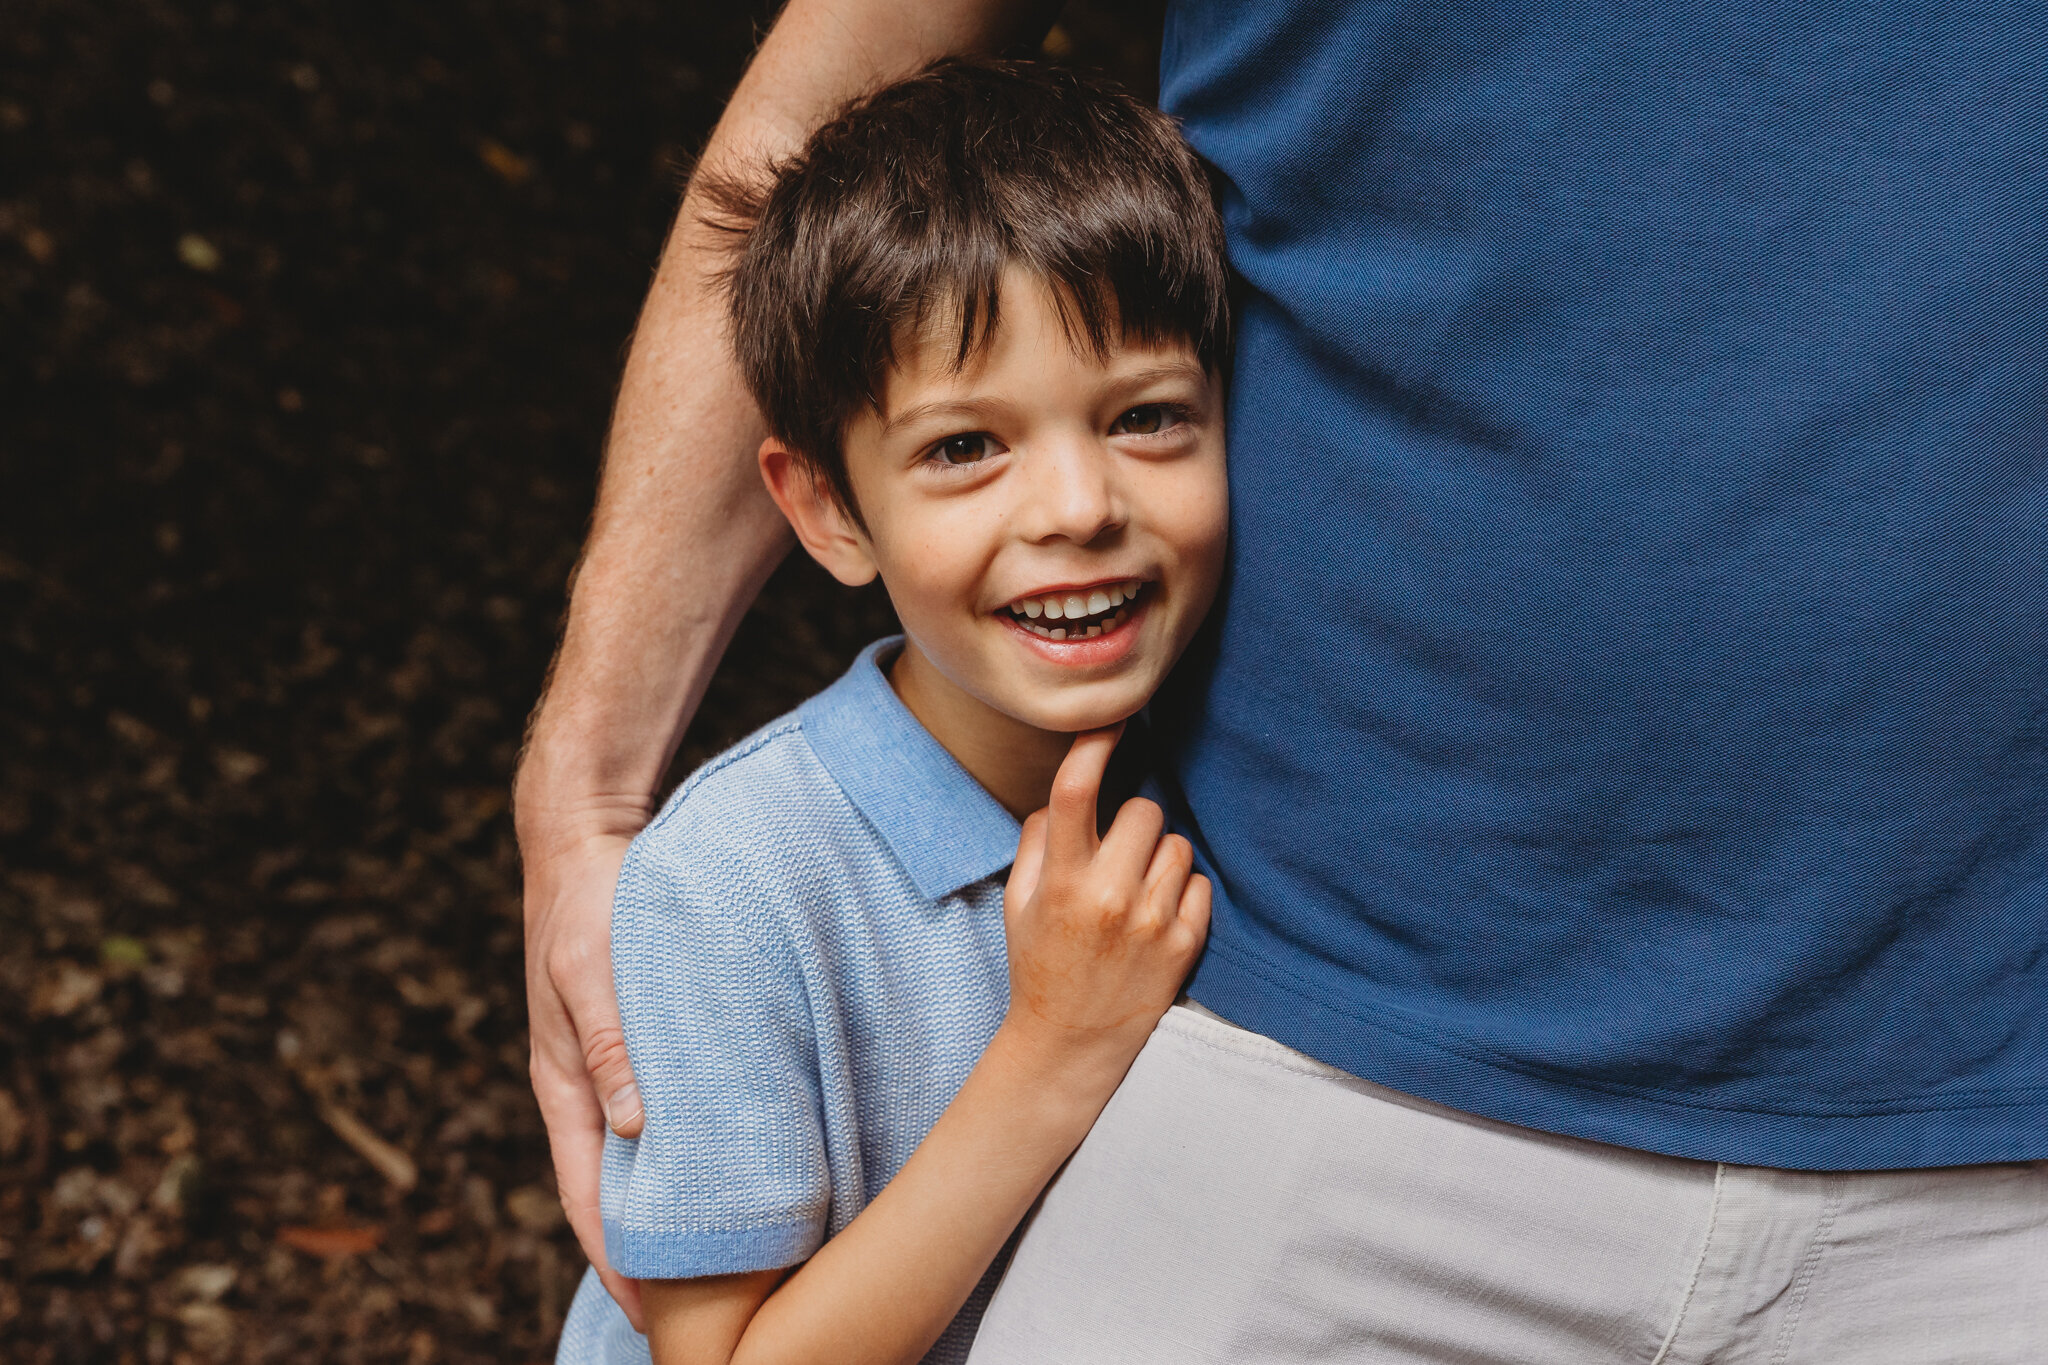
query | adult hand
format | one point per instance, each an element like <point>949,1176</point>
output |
<point>580,1073</point>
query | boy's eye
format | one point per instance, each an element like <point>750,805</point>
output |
<point>971,447</point>
<point>1146,420</point>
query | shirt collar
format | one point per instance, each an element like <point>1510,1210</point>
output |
<point>941,824</point>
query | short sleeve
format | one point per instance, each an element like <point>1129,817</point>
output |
<point>729,1173</point>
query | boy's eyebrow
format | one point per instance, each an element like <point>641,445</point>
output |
<point>966,407</point>
<point>974,407</point>
<point>1178,369</point>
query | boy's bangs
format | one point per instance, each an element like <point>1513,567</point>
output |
<point>893,230</point>
<point>959,319</point>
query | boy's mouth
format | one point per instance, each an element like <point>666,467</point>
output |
<point>1079,614</point>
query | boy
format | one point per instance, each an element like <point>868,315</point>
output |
<point>984,314</point>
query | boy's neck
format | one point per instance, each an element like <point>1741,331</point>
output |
<point>1013,761</point>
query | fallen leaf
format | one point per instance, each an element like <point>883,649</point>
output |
<point>132,730</point>
<point>198,253</point>
<point>13,1126</point>
<point>205,1282</point>
<point>505,163</point>
<point>238,765</point>
<point>175,1187</point>
<point>211,1327</point>
<point>140,884</point>
<point>332,1241</point>
<point>535,1208</point>
<point>64,987</point>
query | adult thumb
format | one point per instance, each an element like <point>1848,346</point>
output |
<point>611,1077</point>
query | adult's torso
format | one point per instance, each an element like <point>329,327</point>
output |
<point>1629,714</point>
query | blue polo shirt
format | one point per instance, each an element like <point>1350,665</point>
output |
<point>809,952</point>
<point>1629,714</point>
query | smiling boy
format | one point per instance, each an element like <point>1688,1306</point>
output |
<point>984,313</point>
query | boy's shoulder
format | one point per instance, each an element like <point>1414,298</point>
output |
<point>846,791</point>
<point>752,811</point>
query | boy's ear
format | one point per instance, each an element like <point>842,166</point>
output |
<point>821,524</point>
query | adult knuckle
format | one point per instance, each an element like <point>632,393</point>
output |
<point>604,1048</point>
<point>567,959</point>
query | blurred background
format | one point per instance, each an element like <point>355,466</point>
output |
<point>310,318</point>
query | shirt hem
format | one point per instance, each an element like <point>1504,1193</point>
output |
<point>1262,998</point>
<point>648,1255</point>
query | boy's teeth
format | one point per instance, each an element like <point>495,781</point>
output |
<point>1077,633</point>
<point>1073,606</point>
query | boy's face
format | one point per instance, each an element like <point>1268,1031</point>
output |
<point>1049,524</point>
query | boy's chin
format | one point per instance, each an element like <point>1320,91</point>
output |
<point>1081,716</point>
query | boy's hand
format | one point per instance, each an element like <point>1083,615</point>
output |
<point>1101,931</point>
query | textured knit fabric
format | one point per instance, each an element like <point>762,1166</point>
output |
<point>809,951</point>
<point>1630,712</point>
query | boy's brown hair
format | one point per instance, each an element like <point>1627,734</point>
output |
<point>900,214</point>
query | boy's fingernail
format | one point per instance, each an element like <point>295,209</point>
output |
<point>623,1106</point>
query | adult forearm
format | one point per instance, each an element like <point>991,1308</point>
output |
<point>682,539</point>
<point>684,535</point>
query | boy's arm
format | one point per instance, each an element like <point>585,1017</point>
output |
<point>1101,936</point>
<point>682,540</point>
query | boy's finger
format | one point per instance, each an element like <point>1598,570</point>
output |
<point>1195,900</point>
<point>1173,858</point>
<point>1131,846</point>
<point>1070,834</point>
<point>1030,860</point>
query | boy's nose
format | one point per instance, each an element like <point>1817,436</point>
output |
<point>1073,494</point>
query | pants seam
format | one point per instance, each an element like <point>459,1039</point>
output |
<point>1804,1282</point>
<point>1698,1269</point>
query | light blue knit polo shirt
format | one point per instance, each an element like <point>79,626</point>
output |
<point>808,945</point>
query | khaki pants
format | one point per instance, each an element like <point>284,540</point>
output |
<point>1239,1202</point>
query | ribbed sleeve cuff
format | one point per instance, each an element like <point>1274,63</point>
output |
<point>644,1254</point>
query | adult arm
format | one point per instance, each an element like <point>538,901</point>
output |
<point>1101,934</point>
<point>683,538</point>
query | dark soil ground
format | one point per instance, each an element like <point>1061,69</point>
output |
<point>309,321</point>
